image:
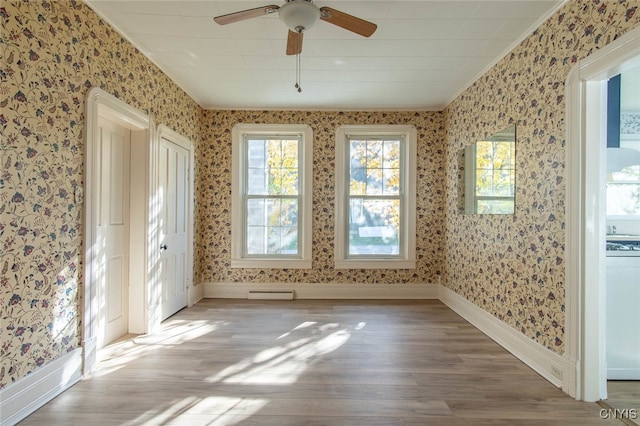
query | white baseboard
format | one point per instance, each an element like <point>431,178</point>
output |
<point>545,362</point>
<point>196,294</point>
<point>25,396</point>
<point>325,291</point>
<point>628,373</point>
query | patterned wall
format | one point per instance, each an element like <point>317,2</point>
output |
<point>513,266</point>
<point>52,53</point>
<point>213,186</point>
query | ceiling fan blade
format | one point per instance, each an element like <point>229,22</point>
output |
<point>245,14</point>
<point>294,43</point>
<point>348,22</point>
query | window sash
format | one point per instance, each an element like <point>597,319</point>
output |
<point>400,196</point>
<point>249,196</point>
<point>269,225</point>
<point>240,195</point>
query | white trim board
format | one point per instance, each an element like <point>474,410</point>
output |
<point>20,399</point>
<point>543,361</point>
<point>102,104</point>
<point>325,291</point>
<point>585,311</point>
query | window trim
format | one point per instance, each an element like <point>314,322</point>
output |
<point>407,257</point>
<point>239,259</point>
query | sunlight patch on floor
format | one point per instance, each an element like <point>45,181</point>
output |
<point>212,410</point>
<point>283,364</point>
<point>116,355</point>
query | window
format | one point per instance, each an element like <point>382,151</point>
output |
<point>375,197</point>
<point>271,196</point>
<point>495,177</point>
<point>623,192</point>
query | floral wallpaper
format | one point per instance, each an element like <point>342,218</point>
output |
<point>513,266</point>
<point>213,208</point>
<point>52,53</point>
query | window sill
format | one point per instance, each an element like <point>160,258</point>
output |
<point>271,263</point>
<point>375,264</point>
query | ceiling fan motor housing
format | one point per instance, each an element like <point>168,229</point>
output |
<point>299,15</point>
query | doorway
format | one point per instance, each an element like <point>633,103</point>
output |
<point>175,199</point>
<point>113,229</point>
<point>154,260</point>
<point>117,265</point>
<point>586,216</point>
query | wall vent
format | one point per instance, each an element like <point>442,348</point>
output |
<point>271,294</point>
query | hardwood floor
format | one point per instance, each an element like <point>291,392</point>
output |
<point>314,363</point>
<point>624,395</point>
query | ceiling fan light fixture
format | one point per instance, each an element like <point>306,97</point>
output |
<point>299,15</point>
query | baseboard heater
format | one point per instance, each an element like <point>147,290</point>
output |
<point>271,294</point>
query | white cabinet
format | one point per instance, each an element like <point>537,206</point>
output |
<point>623,318</point>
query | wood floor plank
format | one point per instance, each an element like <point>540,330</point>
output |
<point>224,362</point>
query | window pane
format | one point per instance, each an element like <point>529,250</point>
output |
<point>255,212</point>
<point>282,166</point>
<point>391,155</point>
<point>255,240</point>
<point>256,152</point>
<point>272,226</point>
<point>484,182</point>
<point>257,181</point>
<point>282,240</point>
<point>391,183</point>
<point>374,167</point>
<point>495,206</point>
<point>374,182</point>
<point>623,191</point>
<point>374,226</point>
<point>495,174</point>
<point>623,198</point>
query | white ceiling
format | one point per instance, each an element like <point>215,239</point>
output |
<point>423,54</point>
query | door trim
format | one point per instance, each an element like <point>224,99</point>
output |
<point>165,132</point>
<point>100,103</point>
<point>585,379</point>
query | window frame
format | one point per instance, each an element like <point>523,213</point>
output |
<point>474,176</point>
<point>239,185</point>
<point>406,259</point>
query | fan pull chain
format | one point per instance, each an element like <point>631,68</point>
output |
<point>298,86</point>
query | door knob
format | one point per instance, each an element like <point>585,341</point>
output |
<point>163,246</point>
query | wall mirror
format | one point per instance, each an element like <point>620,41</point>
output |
<point>490,174</point>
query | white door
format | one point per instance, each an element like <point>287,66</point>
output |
<point>174,222</point>
<point>113,231</point>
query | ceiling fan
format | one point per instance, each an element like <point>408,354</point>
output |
<point>299,16</point>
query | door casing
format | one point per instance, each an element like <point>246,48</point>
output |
<point>141,313</point>
<point>585,366</point>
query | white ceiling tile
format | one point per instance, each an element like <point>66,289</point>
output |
<point>462,47</point>
<point>474,29</point>
<point>404,29</point>
<point>431,9</point>
<point>440,29</point>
